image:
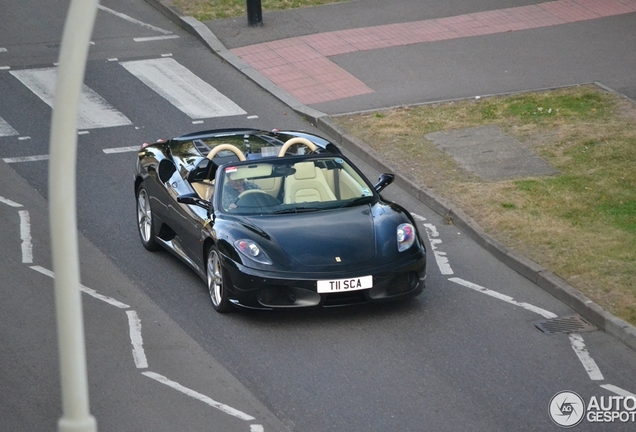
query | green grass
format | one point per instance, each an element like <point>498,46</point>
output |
<point>581,223</point>
<point>206,10</point>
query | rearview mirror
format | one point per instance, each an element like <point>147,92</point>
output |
<point>384,180</point>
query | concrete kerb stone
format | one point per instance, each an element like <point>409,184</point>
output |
<point>551,283</point>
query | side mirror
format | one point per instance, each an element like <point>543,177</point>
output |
<point>384,180</point>
<point>193,199</point>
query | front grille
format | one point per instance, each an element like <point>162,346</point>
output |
<point>345,298</point>
<point>276,295</point>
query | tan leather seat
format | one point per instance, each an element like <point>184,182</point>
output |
<point>307,184</point>
<point>204,189</point>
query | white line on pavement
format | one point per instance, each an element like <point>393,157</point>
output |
<point>121,149</point>
<point>91,292</point>
<point>133,20</point>
<point>619,391</point>
<point>440,257</point>
<point>182,88</point>
<point>25,235</point>
<point>94,111</point>
<point>175,385</point>
<point>9,202</point>
<point>507,299</point>
<point>134,323</point>
<point>154,38</point>
<point>26,159</point>
<point>578,345</point>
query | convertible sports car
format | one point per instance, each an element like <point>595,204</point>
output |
<point>276,220</point>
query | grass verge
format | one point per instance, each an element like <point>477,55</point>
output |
<point>579,224</point>
<point>206,10</point>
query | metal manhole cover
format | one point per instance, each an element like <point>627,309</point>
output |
<point>568,324</point>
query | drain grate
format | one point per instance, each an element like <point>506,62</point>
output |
<point>568,324</point>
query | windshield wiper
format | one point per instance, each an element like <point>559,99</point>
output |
<point>296,210</point>
<point>358,200</point>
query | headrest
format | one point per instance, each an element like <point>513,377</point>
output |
<point>305,171</point>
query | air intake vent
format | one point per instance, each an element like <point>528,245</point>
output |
<point>568,324</point>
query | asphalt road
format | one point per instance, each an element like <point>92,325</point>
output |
<point>464,356</point>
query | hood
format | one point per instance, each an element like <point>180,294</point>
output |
<point>322,238</point>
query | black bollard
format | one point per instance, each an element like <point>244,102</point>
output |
<point>254,13</point>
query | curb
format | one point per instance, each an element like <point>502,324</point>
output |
<point>549,282</point>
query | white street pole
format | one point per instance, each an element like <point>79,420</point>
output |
<point>63,221</point>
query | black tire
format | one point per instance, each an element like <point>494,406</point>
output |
<point>216,281</point>
<point>145,221</point>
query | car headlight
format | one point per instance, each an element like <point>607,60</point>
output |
<point>405,236</point>
<point>251,250</point>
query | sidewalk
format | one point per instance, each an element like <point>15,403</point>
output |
<point>343,58</point>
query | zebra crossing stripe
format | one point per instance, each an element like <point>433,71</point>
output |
<point>94,111</point>
<point>183,89</point>
<point>6,129</point>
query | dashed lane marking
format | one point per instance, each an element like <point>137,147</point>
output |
<point>193,394</point>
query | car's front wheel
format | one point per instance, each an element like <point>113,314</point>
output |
<point>217,282</point>
<point>145,223</point>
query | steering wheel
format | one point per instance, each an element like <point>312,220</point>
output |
<point>256,198</point>
<point>222,147</point>
<point>296,140</point>
<point>250,191</point>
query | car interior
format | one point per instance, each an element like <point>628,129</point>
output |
<point>317,180</point>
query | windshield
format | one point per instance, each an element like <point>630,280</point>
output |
<point>291,185</point>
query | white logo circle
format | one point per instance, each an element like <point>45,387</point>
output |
<point>567,409</point>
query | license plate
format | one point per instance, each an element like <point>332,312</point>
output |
<point>342,285</point>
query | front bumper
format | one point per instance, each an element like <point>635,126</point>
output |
<point>263,290</point>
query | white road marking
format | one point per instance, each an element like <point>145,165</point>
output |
<point>3,49</point>
<point>133,20</point>
<point>440,256</point>
<point>226,409</point>
<point>26,159</point>
<point>24,138</point>
<point>91,292</point>
<point>121,149</point>
<point>139,356</point>
<point>6,129</point>
<point>576,340</point>
<point>619,391</point>
<point>507,299</point>
<point>9,202</point>
<point>154,38</point>
<point>183,89</point>
<point>94,111</point>
<point>5,67</point>
<point>578,345</point>
<point>134,323</point>
<point>25,235</point>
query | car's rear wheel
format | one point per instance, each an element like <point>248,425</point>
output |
<point>217,282</point>
<point>145,222</point>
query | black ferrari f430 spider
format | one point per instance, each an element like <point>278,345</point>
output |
<point>276,220</point>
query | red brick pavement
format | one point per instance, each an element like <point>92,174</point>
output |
<point>300,65</point>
